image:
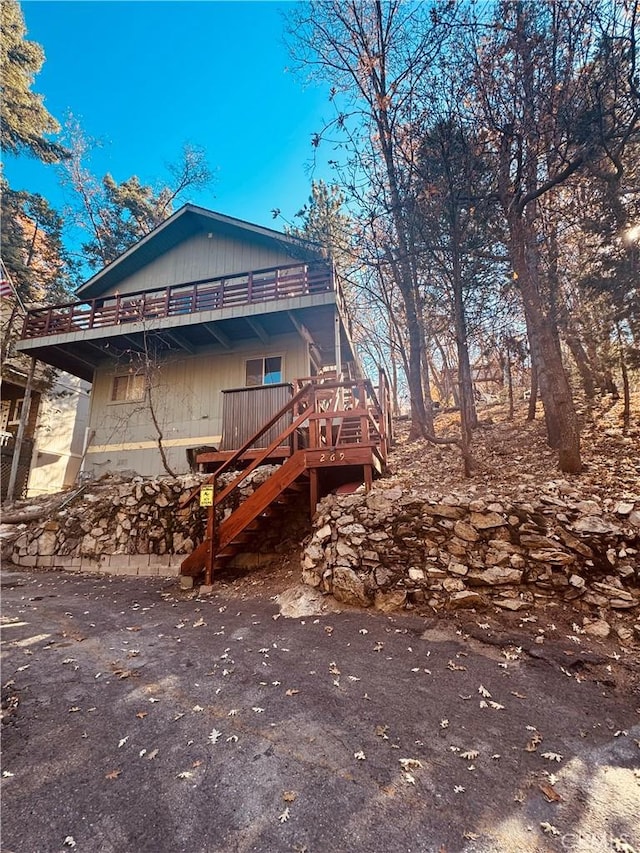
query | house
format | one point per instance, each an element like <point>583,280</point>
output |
<point>59,435</point>
<point>51,447</point>
<point>219,341</point>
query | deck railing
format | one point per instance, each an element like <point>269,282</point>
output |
<point>209,294</point>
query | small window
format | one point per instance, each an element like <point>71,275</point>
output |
<point>128,388</point>
<point>16,412</point>
<point>264,371</point>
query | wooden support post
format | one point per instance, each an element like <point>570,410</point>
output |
<point>211,552</point>
<point>368,477</point>
<point>24,420</point>
<point>313,490</point>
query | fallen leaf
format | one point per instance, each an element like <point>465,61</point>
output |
<point>484,692</point>
<point>470,754</point>
<point>7,774</point>
<point>459,789</point>
<point>549,829</point>
<point>199,624</point>
<point>69,841</point>
<point>551,795</point>
<point>359,756</point>
<point>552,756</point>
<point>122,741</point>
<point>284,817</point>
<point>533,744</point>
<point>214,735</point>
<point>258,710</point>
<point>152,755</point>
<point>113,774</point>
<point>291,692</point>
<point>197,708</point>
<point>186,774</point>
<point>289,796</point>
<point>410,763</point>
<point>381,731</point>
<point>142,714</point>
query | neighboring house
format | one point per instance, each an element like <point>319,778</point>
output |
<point>54,433</point>
<point>12,392</point>
<point>59,437</point>
<point>203,306</point>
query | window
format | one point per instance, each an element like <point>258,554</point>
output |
<point>16,414</point>
<point>128,388</point>
<point>264,371</point>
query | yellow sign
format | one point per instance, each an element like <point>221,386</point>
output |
<point>206,496</point>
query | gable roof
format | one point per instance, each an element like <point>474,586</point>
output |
<point>186,222</point>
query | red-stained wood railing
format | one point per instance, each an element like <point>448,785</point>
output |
<point>194,297</point>
<point>335,415</point>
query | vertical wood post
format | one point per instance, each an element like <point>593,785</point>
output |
<point>313,490</point>
<point>24,420</point>
<point>211,551</point>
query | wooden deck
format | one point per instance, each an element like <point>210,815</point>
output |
<point>338,431</point>
<point>257,286</point>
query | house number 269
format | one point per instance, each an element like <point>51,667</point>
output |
<point>331,457</point>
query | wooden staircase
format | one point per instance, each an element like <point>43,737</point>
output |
<point>323,433</point>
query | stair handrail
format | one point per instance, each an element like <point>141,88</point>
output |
<point>238,453</point>
<point>294,425</point>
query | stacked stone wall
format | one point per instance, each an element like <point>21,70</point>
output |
<point>394,547</point>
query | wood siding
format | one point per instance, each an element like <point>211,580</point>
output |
<point>201,257</point>
<point>245,410</point>
<point>188,402</point>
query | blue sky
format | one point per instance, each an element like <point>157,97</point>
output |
<point>146,77</point>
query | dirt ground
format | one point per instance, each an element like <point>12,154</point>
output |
<point>261,717</point>
<point>139,718</point>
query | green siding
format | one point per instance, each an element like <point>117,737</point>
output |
<point>187,398</point>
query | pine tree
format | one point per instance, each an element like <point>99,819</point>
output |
<point>26,122</point>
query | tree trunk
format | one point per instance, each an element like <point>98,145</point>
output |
<point>468,415</point>
<point>582,363</point>
<point>509,382</point>
<point>626,412</point>
<point>560,415</point>
<point>533,395</point>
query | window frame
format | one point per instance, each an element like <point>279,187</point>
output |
<point>131,379</point>
<point>15,411</point>
<point>264,359</point>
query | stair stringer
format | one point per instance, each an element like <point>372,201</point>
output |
<point>247,511</point>
<point>261,499</point>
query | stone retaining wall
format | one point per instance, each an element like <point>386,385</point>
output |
<point>134,527</point>
<point>394,547</point>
